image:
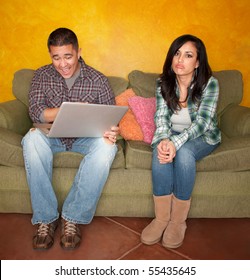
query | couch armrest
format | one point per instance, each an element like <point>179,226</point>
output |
<point>235,121</point>
<point>14,116</point>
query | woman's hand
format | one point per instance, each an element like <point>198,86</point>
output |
<point>111,135</point>
<point>166,151</point>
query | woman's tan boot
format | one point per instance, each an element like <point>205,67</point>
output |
<point>153,232</point>
<point>174,234</point>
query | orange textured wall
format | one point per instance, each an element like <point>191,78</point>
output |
<point>119,36</point>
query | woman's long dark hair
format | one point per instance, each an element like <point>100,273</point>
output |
<point>168,77</point>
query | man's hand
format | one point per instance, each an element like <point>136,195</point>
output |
<point>111,135</point>
<point>49,114</point>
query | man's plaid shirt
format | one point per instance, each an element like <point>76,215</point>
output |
<point>49,90</point>
<point>202,114</point>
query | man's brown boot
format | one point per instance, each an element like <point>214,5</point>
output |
<point>175,232</point>
<point>153,232</point>
<point>44,237</point>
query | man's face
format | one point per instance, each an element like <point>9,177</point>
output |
<point>65,59</point>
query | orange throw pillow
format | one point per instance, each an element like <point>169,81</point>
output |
<point>129,127</point>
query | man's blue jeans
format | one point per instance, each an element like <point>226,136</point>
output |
<point>81,201</point>
<point>178,177</point>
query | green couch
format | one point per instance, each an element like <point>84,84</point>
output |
<point>222,187</point>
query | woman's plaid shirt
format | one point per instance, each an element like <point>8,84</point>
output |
<point>203,116</point>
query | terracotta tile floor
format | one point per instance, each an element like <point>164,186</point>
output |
<point>115,238</point>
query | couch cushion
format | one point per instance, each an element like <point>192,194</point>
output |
<point>14,116</point>
<point>12,153</point>
<point>72,160</point>
<point>143,83</point>
<point>138,155</point>
<point>232,155</point>
<point>230,81</point>
<point>231,88</point>
<point>118,84</point>
<point>10,147</point>
<point>22,80</point>
<point>129,127</point>
<point>21,84</point>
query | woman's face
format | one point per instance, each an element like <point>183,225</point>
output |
<point>185,60</point>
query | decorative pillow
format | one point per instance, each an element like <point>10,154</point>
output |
<point>144,111</point>
<point>129,127</point>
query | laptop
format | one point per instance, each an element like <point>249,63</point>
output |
<point>75,119</point>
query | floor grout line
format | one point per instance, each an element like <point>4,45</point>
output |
<point>180,254</point>
<point>111,220</point>
<point>129,251</point>
<point>137,233</point>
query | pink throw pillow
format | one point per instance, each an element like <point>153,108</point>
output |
<point>144,111</point>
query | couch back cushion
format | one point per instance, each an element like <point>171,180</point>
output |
<point>22,81</point>
<point>21,84</point>
<point>230,81</point>
<point>231,88</point>
<point>118,84</point>
<point>142,83</point>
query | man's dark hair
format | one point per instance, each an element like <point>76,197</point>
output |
<point>62,37</point>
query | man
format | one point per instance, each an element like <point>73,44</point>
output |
<point>68,78</point>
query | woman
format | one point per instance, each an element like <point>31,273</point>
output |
<point>186,131</point>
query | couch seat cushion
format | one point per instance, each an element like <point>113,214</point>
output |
<point>138,154</point>
<point>232,155</point>
<point>12,153</point>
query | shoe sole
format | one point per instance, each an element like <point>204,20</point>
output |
<point>69,248</point>
<point>150,242</point>
<point>43,248</point>
<point>172,246</point>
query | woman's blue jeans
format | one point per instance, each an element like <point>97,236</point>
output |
<point>178,177</point>
<point>81,201</point>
